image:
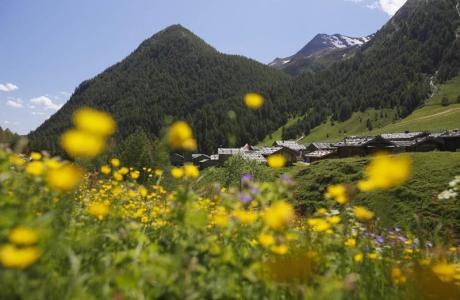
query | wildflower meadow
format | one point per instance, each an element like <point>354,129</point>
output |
<point>116,232</point>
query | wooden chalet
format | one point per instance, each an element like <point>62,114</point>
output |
<point>225,153</point>
<point>320,146</point>
<point>320,155</point>
<point>413,141</point>
<point>363,146</point>
<point>289,154</point>
<point>450,140</point>
<point>294,146</point>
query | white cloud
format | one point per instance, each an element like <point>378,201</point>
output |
<point>391,6</point>
<point>37,113</point>
<point>388,6</point>
<point>10,123</point>
<point>44,102</point>
<point>8,87</point>
<point>15,103</point>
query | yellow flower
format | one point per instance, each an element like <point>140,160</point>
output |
<point>106,170</point>
<point>65,178</point>
<point>373,256</point>
<point>322,211</point>
<point>191,171</point>
<point>397,276</point>
<point>338,192</point>
<point>280,249</point>
<point>15,258</point>
<point>245,217</point>
<point>334,220</point>
<point>180,137</point>
<point>53,163</point>
<point>135,175</point>
<point>123,171</point>
<point>94,122</point>
<point>115,162</point>
<point>98,210</point>
<point>177,172</point>
<point>158,173</point>
<point>276,161</point>
<point>444,271</point>
<point>143,191</point>
<point>35,168</point>
<point>221,218</point>
<point>350,243</point>
<point>23,236</point>
<point>319,225</point>
<point>278,215</point>
<point>358,257</point>
<point>363,213</point>
<point>35,156</point>
<point>266,240</point>
<point>17,160</point>
<point>385,172</point>
<point>253,101</point>
<point>117,176</point>
<point>82,144</point>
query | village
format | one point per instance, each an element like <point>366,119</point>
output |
<point>351,146</point>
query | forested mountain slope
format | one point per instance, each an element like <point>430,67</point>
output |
<point>393,70</point>
<point>7,137</point>
<point>177,75</point>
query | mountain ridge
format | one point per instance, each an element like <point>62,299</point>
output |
<point>176,75</point>
<point>320,46</point>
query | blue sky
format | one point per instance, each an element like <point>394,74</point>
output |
<point>47,47</point>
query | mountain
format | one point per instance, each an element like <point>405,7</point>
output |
<point>321,52</point>
<point>176,75</point>
<point>7,137</point>
<point>418,46</point>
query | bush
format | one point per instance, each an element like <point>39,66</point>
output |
<point>445,101</point>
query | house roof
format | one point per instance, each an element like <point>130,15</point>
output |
<point>451,134</point>
<point>228,151</point>
<point>403,135</point>
<point>254,155</point>
<point>417,141</point>
<point>355,141</point>
<point>320,153</point>
<point>269,150</point>
<point>291,145</point>
<point>323,146</point>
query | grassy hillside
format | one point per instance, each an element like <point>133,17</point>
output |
<point>412,205</point>
<point>276,136</point>
<point>433,116</point>
<point>356,125</point>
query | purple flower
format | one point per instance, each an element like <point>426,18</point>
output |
<point>379,239</point>
<point>246,178</point>
<point>255,190</point>
<point>245,198</point>
<point>402,239</point>
<point>286,179</point>
<point>429,244</point>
